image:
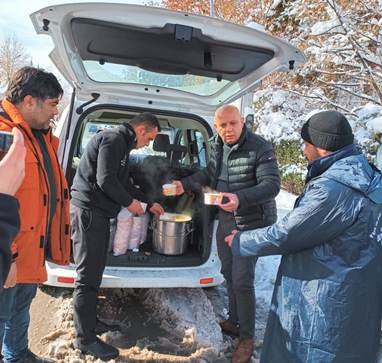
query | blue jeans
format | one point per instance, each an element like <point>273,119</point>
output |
<point>14,320</point>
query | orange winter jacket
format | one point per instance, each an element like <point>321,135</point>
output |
<point>33,196</point>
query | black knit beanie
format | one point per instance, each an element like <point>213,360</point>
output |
<point>329,130</point>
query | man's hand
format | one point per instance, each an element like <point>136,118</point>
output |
<point>12,167</point>
<point>179,187</point>
<point>232,204</point>
<point>12,276</point>
<point>135,207</point>
<point>156,209</point>
<point>229,238</point>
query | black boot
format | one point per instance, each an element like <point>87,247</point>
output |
<point>102,327</point>
<point>98,349</point>
<point>33,358</point>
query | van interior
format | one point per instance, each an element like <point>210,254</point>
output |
<point>180,149</point>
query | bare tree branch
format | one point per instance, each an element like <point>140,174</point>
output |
<point>353,42</point>
<point>350,65</point>
<point>348,84</point>
<point>339,73</point>
<point>329,31</point>
<point>302,94</point>
<point>376,41</point>
<point>12,57</point>
<point>323,99</point>
<point>336,105</point>
<point>372,9</point>
<point>335,85</point>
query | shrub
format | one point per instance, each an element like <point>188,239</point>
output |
<point>293,182</point>
<point>292,165</point>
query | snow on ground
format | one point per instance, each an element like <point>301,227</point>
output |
<point>190,319</point>
<point>266,269</point>
<point>285,202</point>
<point>156,325</point>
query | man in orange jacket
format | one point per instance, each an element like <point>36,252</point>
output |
<point>30,104</point>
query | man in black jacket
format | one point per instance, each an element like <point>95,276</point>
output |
<point>12,169</point>
<point>100,188</point>
<point>243,168</point>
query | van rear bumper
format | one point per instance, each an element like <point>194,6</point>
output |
<point>205,275</point>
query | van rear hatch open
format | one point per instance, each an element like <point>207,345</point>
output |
<point>158,54</point>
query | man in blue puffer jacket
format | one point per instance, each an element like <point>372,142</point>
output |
<point>326,304</point>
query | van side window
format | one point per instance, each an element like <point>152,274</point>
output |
<point>196,146</point>
<point>201,149</point>
<point>91,128</point>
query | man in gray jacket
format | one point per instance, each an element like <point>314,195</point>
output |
<point>327,301</point>
<point>243,168</point>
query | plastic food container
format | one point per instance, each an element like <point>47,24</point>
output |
<point>213,198</point>
<point>169,189</point>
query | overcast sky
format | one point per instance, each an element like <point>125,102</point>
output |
<point>15,19</point>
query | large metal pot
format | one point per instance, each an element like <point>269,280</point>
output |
<point>171,233</point>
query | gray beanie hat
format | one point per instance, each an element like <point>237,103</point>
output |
<point>329,130</point>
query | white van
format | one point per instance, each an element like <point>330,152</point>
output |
<point>123,59</point>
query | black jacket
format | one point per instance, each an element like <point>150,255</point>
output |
<point>102,181</point>
<point>9,227</point>
<point>252,175</point>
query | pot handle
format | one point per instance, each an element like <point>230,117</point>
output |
<point>153,223</point>
<point>190,228</point>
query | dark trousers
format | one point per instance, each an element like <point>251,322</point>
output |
<point>90,243</point>
<point>239,273</point>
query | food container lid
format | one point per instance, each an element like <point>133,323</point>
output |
<point>168,186</point>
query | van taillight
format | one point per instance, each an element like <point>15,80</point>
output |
<point>66,280</point>
<point>208,280</point>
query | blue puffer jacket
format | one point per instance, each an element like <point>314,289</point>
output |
<point>326,304</point>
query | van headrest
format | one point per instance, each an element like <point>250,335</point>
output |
<point>161,143</point>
